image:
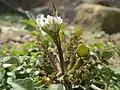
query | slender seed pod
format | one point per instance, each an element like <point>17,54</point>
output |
<point>55,13</point>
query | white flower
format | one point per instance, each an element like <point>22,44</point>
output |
<point>41,20</point>
<point>50,24</point>
<point>49,20</point>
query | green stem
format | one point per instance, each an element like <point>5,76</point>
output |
<point>60,52</point>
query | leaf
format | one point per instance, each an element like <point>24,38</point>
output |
<point>28,70</point>
<point>56,87</point>
<point>83,50</point>
<point>99,45</point>
<point>116,70</point>
<point>12,73</point>
<point>30,22</point>
<point>14,85</point>
<point>12,60</point>
<point>46,40</point>
<point>19,68</point>
<point>107,55</point>
<point>2,73</point>
<point>113,87</point>
<point>26,83</point>
<point>78,32</point>
<point>7,65</point>
<point>21,84</point>
<point>86,74</point>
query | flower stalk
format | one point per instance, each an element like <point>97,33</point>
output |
<point>51,25</point>
<point>60,52</point>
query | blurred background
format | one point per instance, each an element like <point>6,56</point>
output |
<point>67,7</point>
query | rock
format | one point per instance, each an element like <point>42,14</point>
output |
<point>14,34</point>
<point>21,5</point>
<point>91,16</point>
<point>101,2</point>
<point>25,4</point>
<point>110,3</point>
<point>41,10</point>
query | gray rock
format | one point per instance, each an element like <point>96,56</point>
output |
<point>91,16</point>
<point>110,3</point>
<point>13,34</point>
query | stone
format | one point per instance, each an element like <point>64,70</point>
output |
<point>14,34</point>
<point>97,17</point>
<point>109,3</point>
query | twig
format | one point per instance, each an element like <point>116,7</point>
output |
<point>54,7</point>
<point>95,87</point>
<point>15,7</point>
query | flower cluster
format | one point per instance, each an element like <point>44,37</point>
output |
<point>49,23</point>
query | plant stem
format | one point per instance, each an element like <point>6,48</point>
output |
<point>95,87</point>
<point>66,82</point>
<point>60,52</point>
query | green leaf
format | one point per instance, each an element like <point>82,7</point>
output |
<point>14,85</point>
<point>12,73</point>
<point>30,22</point>
<point>21,84</point>
<point>113,87</point>
<point>86,74</point>
<point>107,55</point>
<point>46,40</point>
<point>56,87</point>
<point>116,70</point>
<point>83,50</point>
<point>26,83</point>
<point>78,32</point>
<point>7,65</point>
<point>12,60</point>
<point>2,73</point>
<point>99,45</point>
